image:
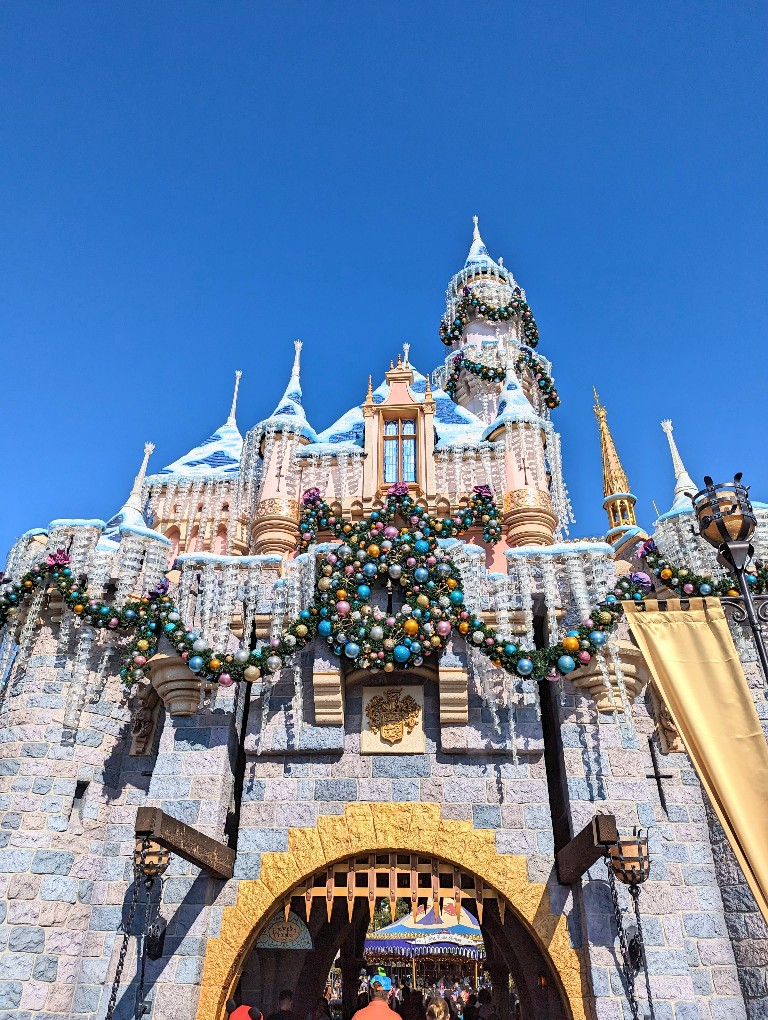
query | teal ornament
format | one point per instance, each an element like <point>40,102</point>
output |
<point>169,628</point>
<point>324,628</point>
<point>363,591</point>
<point>195,663</point>
<point>351,650</point>
<point>566,664</point>
<point>597,638</point>
<point>705,589</point>
<point>456,597</point>
<point>524,667</point>
<point>510,649</point>
<point>401,653</point>
<point>421,546</point>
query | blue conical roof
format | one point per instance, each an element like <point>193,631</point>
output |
<point>514,406</point>
<point>289,410</point>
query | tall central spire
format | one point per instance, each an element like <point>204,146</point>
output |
<point>233,409</point>
<point>683,481</point>
<point>134,500</point>
<point>619,503</point>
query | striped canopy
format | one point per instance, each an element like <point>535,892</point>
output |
<point>446,935</point>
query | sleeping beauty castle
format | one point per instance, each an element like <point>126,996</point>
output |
<point>303,672</point>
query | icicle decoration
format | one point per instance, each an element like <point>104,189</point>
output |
<point>29,627</point>
<point>613,651</point>
<point>561,502</point>
<point>8,649</point>
<point>606,678</point>
<point>78,683</point>
<point>298,696</point>
<point>130,558</point>
<point>266,697</point>
<point>551,597</point>
<point>480,670</point>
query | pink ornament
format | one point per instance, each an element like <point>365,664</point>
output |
<point>688,589</point>
<point>274,642</point>
<point>114,622</point>
<point>414,519</point>
<point>464,614</point>
<point>380,655</point>
<point>431,561</point>
<point>584,657</point>
<point>443,628</point>
<point>489,640</point>
<point>390,621</point>
<point>390,532</point>
<point>225,680</point>
<point>139,660</point>
<point>410,562</point>
<point>589,622</point>
<point>349,570</point>
<point>185,656</point>
<point>343,607</point>
<point>331,520</point>
<point>331,558</point>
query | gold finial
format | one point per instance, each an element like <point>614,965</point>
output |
<point>428,390</point>
<point>391,363</point>
<point>369,394</point>
<point>399,360</point>
<point>619,502</point>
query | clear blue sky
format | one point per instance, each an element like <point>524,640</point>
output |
<point>186,187</point>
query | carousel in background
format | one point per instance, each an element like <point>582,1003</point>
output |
<point>439,944</point>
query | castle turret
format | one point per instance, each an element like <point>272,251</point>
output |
<point>683,481</point>
<point>275,527</point>
<point>132,512</point>
<point>528,517</point>
<point>618,502</point>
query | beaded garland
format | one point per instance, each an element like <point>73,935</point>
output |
<point>525,359</point>
<point>420,632</point>
<point>469,306</point>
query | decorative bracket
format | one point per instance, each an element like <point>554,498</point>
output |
<point>186,842</point>
<point>584,850</point>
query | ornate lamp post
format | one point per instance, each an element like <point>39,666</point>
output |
<point>629,861</point>
<point>727,521</point>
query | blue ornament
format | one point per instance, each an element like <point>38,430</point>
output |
<point>705,589</point>
<point>370,570</point>
<point>151,625</point>
<point>351,650</point>
<point>421,574</point>
<point>566,664</point>
<point>195,663</point>
<point>130,614</point>
<point>573,633</point>
<point>324,628</point>
<point>305,614</point>
<point>456,597</point>
<point>597,638</point>
<point>105,610</point>
<point>524,667</point>
<point>610,598</point>
<point>401,653</point>
<point>67,572</point>
<point>751,578</point>
<point>638,596</point>
<point>169,628</point>
<point>510,649</point>
<point>421,546</point>
<point>363,591</point>
<point>324,611</point>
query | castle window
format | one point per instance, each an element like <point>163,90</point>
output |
<point>399,451</point>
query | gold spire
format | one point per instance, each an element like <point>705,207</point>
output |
<point>619,502</point>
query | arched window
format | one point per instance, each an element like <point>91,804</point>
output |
<point>399,451</point>
<point>220,541</point>
<point>174,536</point>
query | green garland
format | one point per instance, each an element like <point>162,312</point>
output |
<point>434,600</point>
<point>525,359</point>
<point>470,306</point>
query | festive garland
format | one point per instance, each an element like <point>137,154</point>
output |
<point>469,306</point>
<point>370,549</point>
<point>525,359</point>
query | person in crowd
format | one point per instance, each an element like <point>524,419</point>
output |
<point>412,1007</point>
<point>321,1010</point>
<point>235,1012</point>
<point>437,1008</point>
<point>470,1007</point>
<point>285,1004</point>
<point>377,1008</point>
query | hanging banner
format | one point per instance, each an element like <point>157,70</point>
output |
<point>692,657</point>
<point>282,934</point>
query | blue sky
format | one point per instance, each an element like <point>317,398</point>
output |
<point>186,187</point>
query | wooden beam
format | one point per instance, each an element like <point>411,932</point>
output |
<point>186,842</point>
<point>578,856</point>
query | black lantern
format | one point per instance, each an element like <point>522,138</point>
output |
<point>727,521</point>
<point>631,860</point>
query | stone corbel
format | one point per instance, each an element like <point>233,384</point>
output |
<point>589,678</point>
<point>454,696</point>
<point>669,738</point>
<point>328,689</point>
<point>144,720</point>
<point>176,684</point>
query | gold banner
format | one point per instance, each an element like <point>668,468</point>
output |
<point>691,654</point>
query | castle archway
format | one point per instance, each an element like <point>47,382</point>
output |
<point>327,866</point>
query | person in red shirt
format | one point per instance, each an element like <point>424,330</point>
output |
<point>377,1008</point>
<point>235,1012</point>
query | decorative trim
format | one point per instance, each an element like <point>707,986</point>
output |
<point>370,828</point>
<point>518,499</point>
<point>277,508</point>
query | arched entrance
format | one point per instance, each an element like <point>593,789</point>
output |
<point>334,868</point>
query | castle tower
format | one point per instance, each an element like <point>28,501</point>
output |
<point>132,511</point>
<point>528,517</point>
<point>683,481</point>
<point>619,503</point>
<point>275,525</point>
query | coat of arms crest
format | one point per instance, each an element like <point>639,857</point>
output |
<point>390,715</point>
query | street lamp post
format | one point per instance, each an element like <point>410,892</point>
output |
<point>727,521</point>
